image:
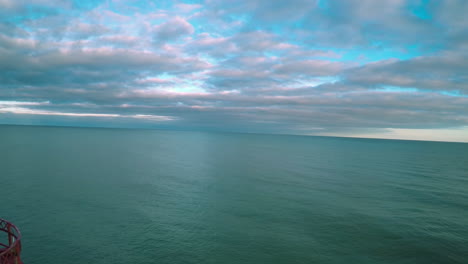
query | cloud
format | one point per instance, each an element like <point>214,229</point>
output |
<point>264,10</point>
<point>302,67</point>
<point>310,67</point>
<point>86,30</point>
<point>456,135</point>
<point>187,8</point>
<point>7,4</point>
<point>173,29</point>
<point>20,4</point>
<point>19,108</point>
<point>444,72</point>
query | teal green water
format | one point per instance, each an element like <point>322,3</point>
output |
<point>139,196</point>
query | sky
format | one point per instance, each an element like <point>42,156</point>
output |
<point>393,69</point>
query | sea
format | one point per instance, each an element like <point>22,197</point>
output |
<point>92,195</point>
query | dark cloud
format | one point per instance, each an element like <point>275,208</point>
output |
<point>310,68</point>
<point>445,72</point>
<point>85,30</point>
<point>173,29</point>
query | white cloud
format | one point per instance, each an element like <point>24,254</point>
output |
<point>442,134</point>
<point>13,107</point>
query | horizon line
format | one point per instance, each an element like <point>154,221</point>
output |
<point>231,132</point>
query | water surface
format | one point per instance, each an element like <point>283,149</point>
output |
<point>140,196</point>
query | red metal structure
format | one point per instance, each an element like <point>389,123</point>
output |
<point>10,243</point>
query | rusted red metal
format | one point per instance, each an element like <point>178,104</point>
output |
<point>10,243</point>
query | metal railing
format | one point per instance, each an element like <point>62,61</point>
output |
<point>10,243</point>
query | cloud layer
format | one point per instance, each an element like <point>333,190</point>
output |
<point>349,68</point>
